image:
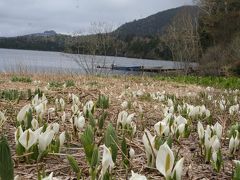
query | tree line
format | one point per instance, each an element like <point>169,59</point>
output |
<point>211,38</point>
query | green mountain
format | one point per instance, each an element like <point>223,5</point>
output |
<point>154,24</point>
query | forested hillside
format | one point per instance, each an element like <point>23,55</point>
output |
<point>140,39</point>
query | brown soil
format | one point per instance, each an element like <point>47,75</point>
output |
<point>89,87</point>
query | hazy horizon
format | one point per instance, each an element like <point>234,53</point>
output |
<point>20,17</point>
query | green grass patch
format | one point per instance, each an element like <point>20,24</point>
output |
<point>58,84</point>
<point>11,95</point>
<point>21,79</point>
<point>55,84</point>
<point>69,83</point>
<point>217,82</point>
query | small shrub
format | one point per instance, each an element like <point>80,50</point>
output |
<point>55,84</point>
<point>102,102</point>
<point>11,94</point>
<point>21,79</point>
<point>69,83</point>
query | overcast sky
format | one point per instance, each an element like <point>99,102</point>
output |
<point>18,17</point>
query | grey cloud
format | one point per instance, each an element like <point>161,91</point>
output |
<point>18,17</point>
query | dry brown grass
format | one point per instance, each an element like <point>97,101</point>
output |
<point>89,87</point>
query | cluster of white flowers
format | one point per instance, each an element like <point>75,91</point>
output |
<point>234,109</point>
<point>125,122</point>
<point>43,139</point>
<point>210,140</point>
<point>77,119</point>
<point>138,93</point>
<point>234,143</point>
<point>171,125</point>
<point>196,111</point>
<point>159,96</point>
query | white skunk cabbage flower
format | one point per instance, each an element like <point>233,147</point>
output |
<point>170,103</point>
<point>165,160</point>
<point>210,97</point>
<point>27,139</point>
<point>63,118</point>
<point>207,113</point>
<point>55,127</point>
<point>51,110</point>
<point>215,143</point>
<point>181,129</point>
<point>235,99</point>
<point>218,130</point>
<point>130,118</point>
<point>134,127</point>
<point>236,162</point>
<point>207,142</point>
<point>2,117</point>
<point>35,100</point>
<point>149,153</point>
<point>136,176</point>
<point>200,130</point>
<point>214,156</point>
<point>124,118</point>
<point>234,109</point>
<point>167,118</point>
<point>88,107</point>
<point>124,105</point>
<point>79,122</point>
<point>161,128</point>
<point>45,139</point>
<point>50,177</point>
<point>202,110</point>
<point>168,110</point>
<point>180,120</point>
<point>234,144</point>
<point>222,105</point>
<point>56,103</point>
<point>44,101</point>
<point>17,177</point>
<point>208,131</point>
<point>75,100</point>
<point>165,163</point>
<point>38,131</point>
<point>140,109</point>
<point>131,153</point>
<point>22,115</point>
<point>69,96</point>
<point>34,124</point>
<point>18,133</point>
<point>74,108</point>
<point>40,109</point>
<point>62,103</point>
<point>211,142</point>
<point>178,169</point>
<point>107,162</point>
<point>62,138</point>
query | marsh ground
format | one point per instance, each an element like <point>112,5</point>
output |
<point>118,89</point>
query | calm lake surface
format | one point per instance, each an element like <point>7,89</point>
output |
<point>12,60</point>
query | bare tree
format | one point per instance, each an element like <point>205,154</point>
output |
<point>183,40</point>
<point>98,42</point>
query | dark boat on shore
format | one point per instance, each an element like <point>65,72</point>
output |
<point>133,68</point>
<point>123,68</point>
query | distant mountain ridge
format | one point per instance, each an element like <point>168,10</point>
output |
<point>44,34</point>
<point>153,24</point>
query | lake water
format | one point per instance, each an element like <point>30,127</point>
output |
<point>12,60</point>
